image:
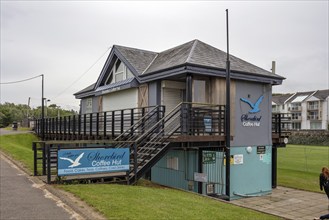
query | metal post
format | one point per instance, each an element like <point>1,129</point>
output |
<point>228,116</point>
<point>91,124</point>
<point>48,164</point>
<point>121,124</point>
<point>104,122</point>
<point>188,105</point>
<point>35,161</point>
<point>274,166</point>
<point>42,110</point>
<point>43,147</point>
<point>97,125</point>
<point>131,121</point>
<point>73,127</point>
<point>135,162</point>
<point>200,156</point>
<point>113,124</point>
<point>79,126</point>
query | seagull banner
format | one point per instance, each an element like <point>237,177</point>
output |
<point>252,119</point>
<point>92,160</point>
<point>254,106</point>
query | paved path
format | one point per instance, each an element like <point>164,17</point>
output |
<point>289,203</point>
<point>11,131</point>
<point>21,198</point>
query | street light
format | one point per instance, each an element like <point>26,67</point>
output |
<point>228,116</point>
<point>46,100</point>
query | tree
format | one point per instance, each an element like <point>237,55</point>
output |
<point>10,112</point>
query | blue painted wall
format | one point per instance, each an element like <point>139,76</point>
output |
<point>251,177</point>
<point>254,176</point>
<point>181,178</point>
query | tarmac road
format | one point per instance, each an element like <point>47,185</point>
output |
<point>24,198</point>
<point>21,198</point>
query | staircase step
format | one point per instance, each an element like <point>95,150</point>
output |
<point>156,143</point>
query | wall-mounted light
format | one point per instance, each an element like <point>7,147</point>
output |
<point>249,149</point>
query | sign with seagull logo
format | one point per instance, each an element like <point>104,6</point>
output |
<point>92,160</point>
<point>251,119</point>
<point>74,163</point>
<point>254,107</point>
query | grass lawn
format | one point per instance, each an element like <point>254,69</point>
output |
<point>140,202</point>
<point>299,166</point>
<point>135,202</point>
<point>19,147</point>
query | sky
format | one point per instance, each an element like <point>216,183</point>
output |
<point>69,41</point>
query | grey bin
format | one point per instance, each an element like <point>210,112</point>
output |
<point>15,126</point>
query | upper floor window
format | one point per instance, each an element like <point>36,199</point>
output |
<point>275,108</point>
<point>118,73</point>
<point>296,106</point>
<point>313,105</point>
<point>296,116</point>
<point>313,116</point>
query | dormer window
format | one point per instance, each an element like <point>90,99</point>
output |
<point>118,73</point>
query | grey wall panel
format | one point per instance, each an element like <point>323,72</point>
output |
<point>253,128</point>
<point>153,93</point>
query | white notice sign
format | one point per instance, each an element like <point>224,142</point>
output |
<point>200,177</point>
<point>238,159</point>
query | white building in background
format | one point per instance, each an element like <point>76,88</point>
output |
<point>304,110</point>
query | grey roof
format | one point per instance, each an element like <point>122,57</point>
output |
<point>201,54</point>
<point>205,59</point>
<point>194,52</point>
<point>307,94</point>
<point>139,59</point>
<point>87,89</point>
<point>322,94</point>
<point>171,58</point>
<point>280,99</point>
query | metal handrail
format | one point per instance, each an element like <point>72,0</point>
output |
<point>141,120</point>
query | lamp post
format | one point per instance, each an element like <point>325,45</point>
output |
<point>228,116</point>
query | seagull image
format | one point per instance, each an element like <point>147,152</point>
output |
<point>254,107</point>
<point>75,163</point>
